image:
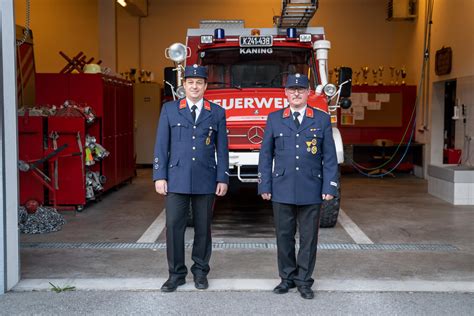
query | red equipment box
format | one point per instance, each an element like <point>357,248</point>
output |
<point>31,149</point>
<point>112,101</point>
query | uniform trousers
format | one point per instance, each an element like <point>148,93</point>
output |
<point>287,217</point>
<point>177,207</point>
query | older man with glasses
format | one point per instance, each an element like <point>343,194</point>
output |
<point>298,143</point>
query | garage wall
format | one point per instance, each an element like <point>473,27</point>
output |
<point>452,26</point>
<point>128,41</point>
<point>359,33</point>
<point>59,25</point>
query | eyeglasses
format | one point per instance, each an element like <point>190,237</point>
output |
<point>299,90</point>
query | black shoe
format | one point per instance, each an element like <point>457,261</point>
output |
<point>306,292</point>
<point>200,282</point>
<point>172,284</point>
<point>283,287</point>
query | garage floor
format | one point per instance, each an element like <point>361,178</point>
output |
<point>391,235</point>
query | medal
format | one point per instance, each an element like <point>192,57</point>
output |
<point>313,142</point>
<point>208,139</point>
<point>308,149</point>
<point>314,150</point>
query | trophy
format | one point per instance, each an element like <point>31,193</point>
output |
<point>403,73</point>
<point>357,74</point>
<point>374,73</point>
<point>365,71</point>
<point>380,75</point>
<point>397,74</point>
<point>330,72</point>
<point>392,69</point>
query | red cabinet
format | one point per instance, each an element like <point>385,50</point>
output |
<point>31,149</point>
<point>112,101</point>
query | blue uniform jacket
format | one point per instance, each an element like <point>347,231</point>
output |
<point>185,152</point>
<point>305,162</point>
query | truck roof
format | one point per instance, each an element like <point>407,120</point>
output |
<point>247,31</point>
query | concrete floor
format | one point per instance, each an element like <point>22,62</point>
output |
<point>388,211</point>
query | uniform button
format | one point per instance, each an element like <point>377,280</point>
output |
<point>297,135</point>
<point>194,126</point>
<point>281,134</point>
<point>297,157</point>
<point>194,137</point>
<point>179,124</point>
<point>297,168</point>
<point>297,146</point>
<point>156,159</point>
<point>194,158</point>
<point>194,148</point>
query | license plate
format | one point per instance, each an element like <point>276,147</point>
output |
<point>256,41</point>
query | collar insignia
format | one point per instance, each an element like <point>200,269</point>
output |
<point>182,104</point>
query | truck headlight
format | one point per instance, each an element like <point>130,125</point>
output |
<point>330,90</point>
<point>177,52</point>
<point>180,92</point>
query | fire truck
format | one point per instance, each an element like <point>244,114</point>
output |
<point>247,71</point>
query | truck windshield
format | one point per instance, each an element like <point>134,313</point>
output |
<point>232,67</point>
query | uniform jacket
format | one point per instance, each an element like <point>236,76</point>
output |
<point>186,152</point>
<point>305,162</point>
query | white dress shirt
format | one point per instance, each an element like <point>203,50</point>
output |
<point>198,104</point>
<point>302,111</point>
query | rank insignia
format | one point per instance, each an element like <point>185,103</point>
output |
<point>314,150</point>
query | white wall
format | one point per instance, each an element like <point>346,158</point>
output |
<point>452,27</point>
<point>9,145</point>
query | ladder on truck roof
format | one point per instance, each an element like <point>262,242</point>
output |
<point>296,13</point>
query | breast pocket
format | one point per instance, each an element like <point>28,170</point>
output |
<point>314,141</point>
<point>282,140</point>
<point>178,130</point>
<point>209,134</point>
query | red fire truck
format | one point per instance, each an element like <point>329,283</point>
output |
<point>247,71</point>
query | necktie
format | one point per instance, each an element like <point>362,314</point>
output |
<point>193,112</point>
<point>297,122</point>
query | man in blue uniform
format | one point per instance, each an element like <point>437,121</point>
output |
<point>298,141</point>
<point>191,134</point>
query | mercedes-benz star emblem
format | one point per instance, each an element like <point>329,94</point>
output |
<point>255,135</point>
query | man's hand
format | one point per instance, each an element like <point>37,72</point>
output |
<point>161,187</point>
<point>266,196</point>
<point>327,197</point>
<point>221,189</point>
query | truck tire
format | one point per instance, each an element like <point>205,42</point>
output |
<point>329,213</point>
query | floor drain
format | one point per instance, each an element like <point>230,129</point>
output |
<point>236,245</point>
